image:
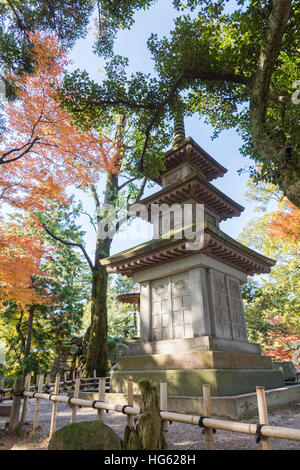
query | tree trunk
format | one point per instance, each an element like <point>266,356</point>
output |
<point>29,331</point>
<point>147,434</point>
<point>97,349</point>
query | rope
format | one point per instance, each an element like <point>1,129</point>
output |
<point>201,425</point>
<point>96,401</point>
<point>259,435</point>
<point>124,408</point>
<point>18,394</point>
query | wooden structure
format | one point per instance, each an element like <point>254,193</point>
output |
<point>262,430</point>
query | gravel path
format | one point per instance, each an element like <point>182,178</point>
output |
<point>181,436</point>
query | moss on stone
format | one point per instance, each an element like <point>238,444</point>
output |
<point>92,435</point>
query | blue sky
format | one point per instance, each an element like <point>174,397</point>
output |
<point>225,149</point>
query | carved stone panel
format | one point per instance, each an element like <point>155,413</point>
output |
<point>161,313</point>
<point>239,328</point>
<point>181,306</point>
<point>171,308</point>
<point>221,306</point>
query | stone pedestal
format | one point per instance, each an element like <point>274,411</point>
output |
<point>193,332</point>
<point>228,373</point>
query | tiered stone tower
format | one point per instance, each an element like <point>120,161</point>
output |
<point>192,322</point>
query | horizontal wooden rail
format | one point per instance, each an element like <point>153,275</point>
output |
<point>224,425</point>
<point>66,383</point>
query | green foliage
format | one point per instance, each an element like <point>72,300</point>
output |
<point>211,62</point>
<point>262,194</point>
<point>274,296</point>
<point>122,317</point>
<point>19,18</point>
<point>66,290</point>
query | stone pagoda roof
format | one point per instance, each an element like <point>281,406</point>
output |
<point>217,245</point>
<point>189,151</point>
<point>194,187</point>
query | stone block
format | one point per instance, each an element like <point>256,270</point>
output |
<point>196,360</point>
<point>92,435</point>
<point>287,368</point>
<point>200,343</point>
<point>224,382</point>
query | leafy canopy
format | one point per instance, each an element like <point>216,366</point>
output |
<point>20,18</point>
<point>234,67</point>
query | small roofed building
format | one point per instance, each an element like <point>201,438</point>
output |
<point>192,322</point>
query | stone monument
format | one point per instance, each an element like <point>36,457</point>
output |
<point>192,322</point>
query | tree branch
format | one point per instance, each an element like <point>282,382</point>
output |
<point>260,89</point>
<point>68,243</point>
<point>126,182</point>
<point>185,75</point>
<point>30,145</point>
<point>142,189</point>
<point>91,219</point>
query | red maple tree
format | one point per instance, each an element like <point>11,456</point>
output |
<point>41,155</point>
<point>286,223</point>
<point>281,341</point>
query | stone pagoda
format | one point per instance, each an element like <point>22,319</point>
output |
<point>192,322</point>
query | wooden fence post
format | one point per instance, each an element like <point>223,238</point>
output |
<point>95,374</point>
<point>47,379</point>
<point>130,402</point>
<point>54,409</point>
<point>2,383</point>
<point>25,400</point>
<point>76,395</point>
<point>101,397</point>
<point>209,435</point>
<point>40,380</point>
<point>164,406</point>
<point>16,404</point>
<point>263,415</point>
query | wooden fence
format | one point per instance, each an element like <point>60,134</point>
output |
<point>22,391</point>
<point>86,384</point>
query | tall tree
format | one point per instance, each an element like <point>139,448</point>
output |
<point>237,70</point>
<point>132,191</point>
<point>43,154</point>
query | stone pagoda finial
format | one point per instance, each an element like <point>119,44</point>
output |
<point>179,131</point>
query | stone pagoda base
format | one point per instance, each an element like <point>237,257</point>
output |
<point>228,373</point>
